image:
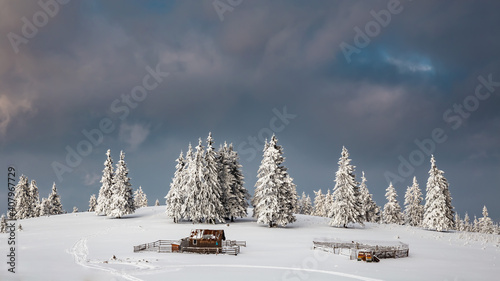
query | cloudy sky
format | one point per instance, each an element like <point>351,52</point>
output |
<point>391,81</point>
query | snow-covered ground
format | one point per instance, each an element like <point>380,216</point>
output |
<point>80,246</point>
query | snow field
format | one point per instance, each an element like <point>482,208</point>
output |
<point>80,247</point>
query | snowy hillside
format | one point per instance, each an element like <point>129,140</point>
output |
<point>80,247</point>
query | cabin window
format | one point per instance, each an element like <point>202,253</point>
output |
<point>194,241</point>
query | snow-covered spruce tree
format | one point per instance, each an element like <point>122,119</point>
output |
<point>346,207</point>
<point>22,198</point>
<point>438,211</point>
<point>140,199</point>
<point>234,195</point>
<point>157,203</point>
<point>104,198</point>
<point>458,222</point>
<point>45,207</point>
<point>414,210</point>
<point>485,223</point>
<point>370,211</point>
<point>319,204</point>
<point>301,203</point>
<point>305,205</point>
<point>392,209</point>
<point>475,225</point>
<point>466,223</point>
<point>329,204</point>
<point>92,203</point>
<point>175,196</point>
<point>225,179</point>
<point>275,194</point>
<point>122,200</point>
<point>75,209</point>
<point>307,208</point>
<point>202,198</point>
<point>35,200</point>
<point>56,207</point>
<point>209,201</point>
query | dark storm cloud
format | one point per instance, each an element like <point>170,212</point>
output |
<point>228,76</point>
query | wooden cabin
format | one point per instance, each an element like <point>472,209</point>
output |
<point>203,241</point>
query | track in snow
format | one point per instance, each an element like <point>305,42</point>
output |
<point>80,252</point>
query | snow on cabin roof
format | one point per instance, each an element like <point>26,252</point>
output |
<point>215,234</point>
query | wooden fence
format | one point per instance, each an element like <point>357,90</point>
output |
<point>161,246</point>
<point>230,247</point>
<point>394,250</point>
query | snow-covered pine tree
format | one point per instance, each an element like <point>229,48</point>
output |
<point>370,211</point>
<point>34,208</point>
<point>92,203</point>
<point>414,210</point>
<point>45,207</point>
<point>485,224</point>
<point>122,200</point>
<point>392,209</point>
<point>258,188</point>
<point>289,200</point>
<point>225,179</point>
<point>475,225</point>
<point>438,211</point>
<point>195,183</point>
<point>3,224</point>
<point>275,193</point>
<point>235,199</point>
<point>301,203</point>
<point>210,206</point>
<point>75,209</point>
<point>140,199</point>
<point>105,193</point>
<point>22,199</point>
<point>458,222</point>
<point>466,223</point>
<point>346,207</point>
<point>175,196</point>
<point>157,203</point>
<point>55,202</point>
<point>319,204</point>
<point>307,207</point>
<point>328,204</point>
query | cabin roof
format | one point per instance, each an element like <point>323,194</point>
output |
<point>208,234</point>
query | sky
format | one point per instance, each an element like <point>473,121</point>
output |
<point>394,82</point>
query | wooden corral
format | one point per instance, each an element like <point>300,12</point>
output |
<point>205,241</point>
<point>378,249</point>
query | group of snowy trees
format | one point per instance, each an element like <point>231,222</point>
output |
<point>27,202</point>
<point>115,196</point>
<point>436,214</point>
<point>275,199</point>
<point>350,202</point>
<point>207,185</point>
